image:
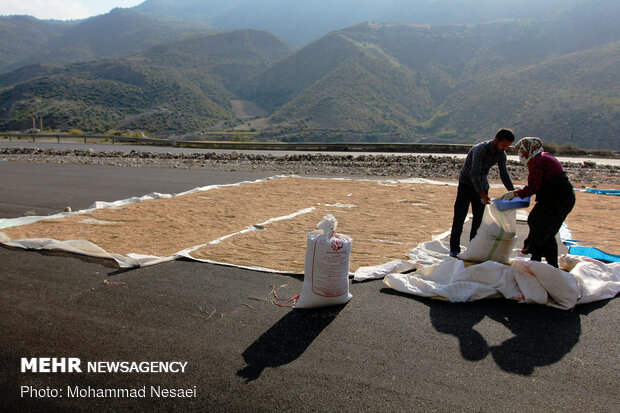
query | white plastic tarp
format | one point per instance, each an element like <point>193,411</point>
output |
<point>140,260</point>
<point>582,280</point>
<point>83,247</point>
<point>579,280</point>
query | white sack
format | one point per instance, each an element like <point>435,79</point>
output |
<point>597,280</point>
<point>495,238</point>
<point>485,247</point>
<point>500,224</point>
<point>326,271</point>
<point>430,252</point>
<point>452,281</point>
<point>525,281</point>
<point>426,253</point>
<point>537,280</point>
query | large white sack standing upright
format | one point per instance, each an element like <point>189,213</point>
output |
<point>326,272</point>
<point>495,238</point>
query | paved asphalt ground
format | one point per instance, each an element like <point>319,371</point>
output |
<point>383,351</point>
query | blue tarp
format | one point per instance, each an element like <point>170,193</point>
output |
<point>593,253</point>
<point>576,249</point>
<point>615,192</point>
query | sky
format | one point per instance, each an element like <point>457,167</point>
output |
<point>62,9</point>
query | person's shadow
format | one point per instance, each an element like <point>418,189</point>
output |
<point>542,335</point>
<point>286,340</point>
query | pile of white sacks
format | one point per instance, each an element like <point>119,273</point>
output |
<point>492,268</point>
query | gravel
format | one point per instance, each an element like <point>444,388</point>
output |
<point>582,174</point>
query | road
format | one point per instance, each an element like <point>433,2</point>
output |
<point>164,149</point>
<point>383,351</point>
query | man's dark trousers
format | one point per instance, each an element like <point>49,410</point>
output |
<point>466,195</point>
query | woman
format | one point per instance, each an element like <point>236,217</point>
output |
<point>555,199</point>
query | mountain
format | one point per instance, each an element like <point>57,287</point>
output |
<point>23,38</point>
<point>302,22</point>
<point>109,94</point>
<point>233,57</point>
<point>290,76</point>
<point>455,83</point>
<point>26,40</point>
<point>174,88</point>
<point>363,93</point>
<point>553,76</point>
<point>573,97</point>
<point>339,83</point>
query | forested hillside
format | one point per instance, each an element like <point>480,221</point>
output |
<point>25,40</point>
<point>170,89</point>
<point>453,83</point>
<point>553,76</point>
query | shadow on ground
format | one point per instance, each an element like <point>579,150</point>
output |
<point>542,335</point>
<point>286,340</point>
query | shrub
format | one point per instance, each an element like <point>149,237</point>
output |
<point>571,149</point>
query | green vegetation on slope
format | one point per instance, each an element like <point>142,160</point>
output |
<point>169,89</point>
<point>363,94</point>
<point>26,41</point>
<point>554,78</point>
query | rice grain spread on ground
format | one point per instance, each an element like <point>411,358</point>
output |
<point>265,223</point>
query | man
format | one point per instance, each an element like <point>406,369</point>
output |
<point>474,186</point>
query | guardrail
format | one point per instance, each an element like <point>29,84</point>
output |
<point>329,146</point>
<point>453,148</point>
<point>85,137</point>
<point>254,145</point>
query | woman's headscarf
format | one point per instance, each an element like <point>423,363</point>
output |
<point>527,148</point>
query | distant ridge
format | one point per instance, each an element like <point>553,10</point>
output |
<point>300,22</point>
<point>447,83</point>
<point>176,88</point>
<point>452,83</point>
<point>26,40</point>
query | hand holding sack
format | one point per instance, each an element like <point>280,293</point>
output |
<point>326,271</point>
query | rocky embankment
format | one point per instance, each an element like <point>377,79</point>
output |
<point>426,166</point>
